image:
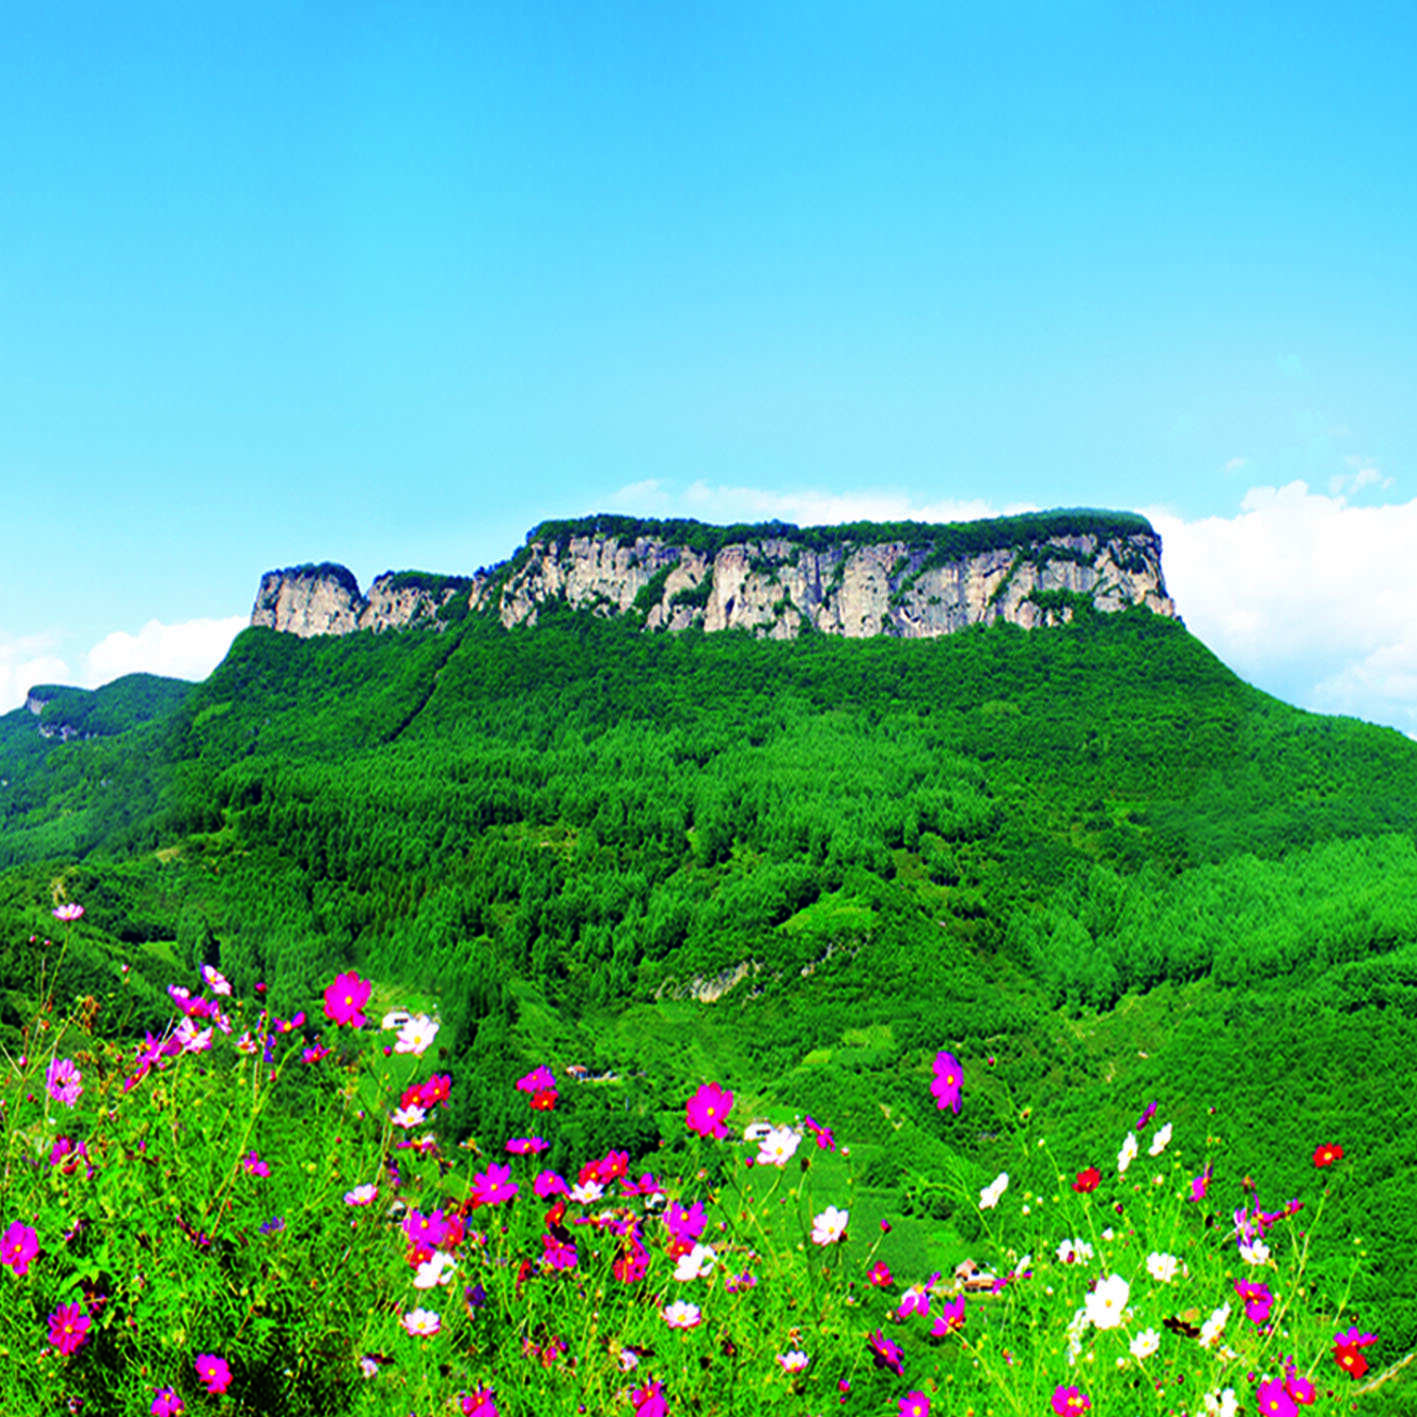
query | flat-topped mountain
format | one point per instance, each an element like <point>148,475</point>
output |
<point>911,580</point>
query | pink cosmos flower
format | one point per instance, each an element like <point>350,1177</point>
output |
<point>685,1225</point>
<point>425,1231</point>
<point>71,910</point>
<point>682,1315</point>
<point>880,1274</point>
<point>1257,1300</point>
<point>345,998</point>
<point>707,1110</point>
<point>213,1372</point>
<point>539,1079</point>
<point>18,1247</point>
<point>61,1081</point>
<point>421,1323</point>
<point>948,1075</point>
<point>253,1163</point>
<point>1355,1337</point>
<point>645,1186</point>
<point>886,1354</point>
<point>916,1299</point>
<point>915,1404</point>
<point>167,1403</point>
<point>362,1195</point>
<point>1200,1184</point>
<point>1068,1401</point>
<point>493,1186</point>
<point>558,1253</point>
<point>549,1183</point>
<point>216,981</point>
<point>68,1328</point>
<point>649,1400</point>
<point>951,1317</point>
<point>793,1361</point>
<point>1273,1400</point>
<point>524,1146</point>
<point>824,1137</point>
<point>1147,1114</point>
<point>478,1403</point>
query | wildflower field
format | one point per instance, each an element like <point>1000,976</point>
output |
<point>245,1212</point>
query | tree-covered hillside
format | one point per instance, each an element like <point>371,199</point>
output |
<point>1090,859</point>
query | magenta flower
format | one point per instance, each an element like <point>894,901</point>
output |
<point>707,1109</point>
<point>1068,1401</point>
<point>684,1225</point>
<point>649,1400</point>
<point>948,1076</point>
<point>951,1317</point>
<point>916,1299</point>
<point>67,912</point>
<point>167,1403</point>
<point>425,1231</point>
<point>61,1081</point>
<point>915,1404</point>
<point>214,1372</point>
<point>524,1146</point>
<point>559,1254</point>
<point>540,1079</point>
<point>1257,1300</point>
<point>1148,1112</point>
<point>68,1328</point>
<point>18,1247</point>
<point>1200,1184</point>
<point>253,1163</point>
<point>345,998</point>
<point>493,1186</point>
<point>1274,1400</point>
<point>549,1183</point>
<point>886,1354</point>
<point>478,1403</point>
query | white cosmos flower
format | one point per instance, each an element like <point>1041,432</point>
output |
<point>438,1270</point>
<point>1074,1251</point>
<point>1222,1404</point>
<point>407,1117</point>
<point>829,1226</point>
<point>423,1323</point>
<point>416,1035</point>
<point>1257,1252</point>
<point>1162,1267</point>
<point>1128,1154</point>
<point>1145,1343</point>
<point>1160,1141</point>
<point>586,1192</point>
<point>696,1263</point>
<point>682,1315</point>
<point>1214,1326</point>
<point>778,1147</point>
<point>989,1196</point>
<point>1108,1301</point>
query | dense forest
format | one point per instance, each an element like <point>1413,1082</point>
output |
<point>1090,860</point>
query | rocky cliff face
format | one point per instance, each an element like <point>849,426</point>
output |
<point>326,600</point>
<point>905,580</point>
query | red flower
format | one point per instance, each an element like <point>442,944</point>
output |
<point>1327,1155</point>
<point>1347,1356</point>
<point>1088,1180</point>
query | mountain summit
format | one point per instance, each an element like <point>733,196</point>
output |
<point>910,580</point>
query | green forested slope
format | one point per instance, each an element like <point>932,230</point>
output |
<point>1091,853</point>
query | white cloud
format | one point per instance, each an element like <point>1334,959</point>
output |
<point>1235,464</point>
<point>188,650</point>
<point>804,506</point>
<point>26,661</point>
<point>1306,596</point>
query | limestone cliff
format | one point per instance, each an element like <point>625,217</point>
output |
<point>908,580</point>
<point>326,600</point>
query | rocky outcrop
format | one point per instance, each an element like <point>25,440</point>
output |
<point>906,580</point>
<point>326,600</point>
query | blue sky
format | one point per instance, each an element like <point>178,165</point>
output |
<point>389,284</point>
